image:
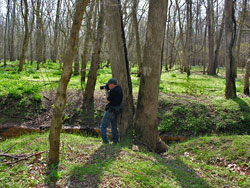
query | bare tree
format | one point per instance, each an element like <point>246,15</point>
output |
<point>146,113</point>
<point>230,32</point>
<point>39,41</point>
<point>137,36</point>
<point>27,33</point>
<point>56,123</point>
<point>211,69</point>
<point>5,33</point>
<point>56,31</point>
<point>88,97</point>
<point>12,37</point>
<point>242,20</point>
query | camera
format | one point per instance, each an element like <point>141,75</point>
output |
<point>105,87</point>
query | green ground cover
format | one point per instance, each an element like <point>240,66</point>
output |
<point>84,162</point>
<point>198,101</point>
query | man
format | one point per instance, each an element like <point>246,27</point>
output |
<point>113,108</point>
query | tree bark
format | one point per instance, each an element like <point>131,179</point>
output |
<point>137,36</point>
<point>242,20</point>
<point>211,69</point>
<point>56,123</point>
<point>184,48</point>
<point>119,62</point>
<point>88,97</point>
<point>5,33</point>
<point>12,39</point>
<point>146,113</point>
<point>218,43</point>
<point>86,47</point>
<point>246,80</point>
<point>26,34</point>
<point>56,31</point>
<point>230,41</point>
<point>39,41</point>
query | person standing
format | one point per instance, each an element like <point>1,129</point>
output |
<point>113,108</point>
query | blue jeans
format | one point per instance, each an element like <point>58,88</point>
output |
<point>109,118</point>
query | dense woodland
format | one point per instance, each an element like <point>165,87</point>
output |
<point>155,36</point>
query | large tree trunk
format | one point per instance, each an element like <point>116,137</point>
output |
<point>211,69</point>
<point>88,97</point>
<point>119,62</point>
<point>56,31</point>
<point>146,114</point>
<point>246,80</point>
<point>56,123</point>
<point>230,41</point>
<point>39,41</point>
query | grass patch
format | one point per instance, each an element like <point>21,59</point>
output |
<point>85,162</point>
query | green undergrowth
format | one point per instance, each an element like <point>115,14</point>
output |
<point>85,162</point>
<point>188,106</point>
<point>186,116</point>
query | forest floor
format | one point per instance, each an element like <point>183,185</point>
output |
<point>85,162</point>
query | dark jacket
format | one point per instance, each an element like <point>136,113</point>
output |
<point>115,99</point>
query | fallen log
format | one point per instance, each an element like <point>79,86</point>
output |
<point>7,132</point>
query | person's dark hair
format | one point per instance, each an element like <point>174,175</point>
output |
<point>112,81</point>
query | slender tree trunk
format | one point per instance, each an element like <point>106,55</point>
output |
<point>5,33</point>
<point>146,113</point>
<point>27,33</point>
<point>218,43</point>
<point>39,41</point>
<point>184,48</point>
<point>88,97</point>
<point>56,30</point>
<point>189,35</point>
<point>118,60</point>
<point>167,38</point>
<point>246,80</point>
<point>211,70</point>
<point>56,123</point>
<point>137,36</point>
<point>230,41</point>
<point>86,46</point>
<point>242,20</point>
<point>12,39</point>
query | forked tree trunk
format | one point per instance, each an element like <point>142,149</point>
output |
<point>88,97</point>
<point>118,61</point>
<point>147,107</point>
<point>56,123</point>
<point>230,41</point>
<point>246,80</point>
